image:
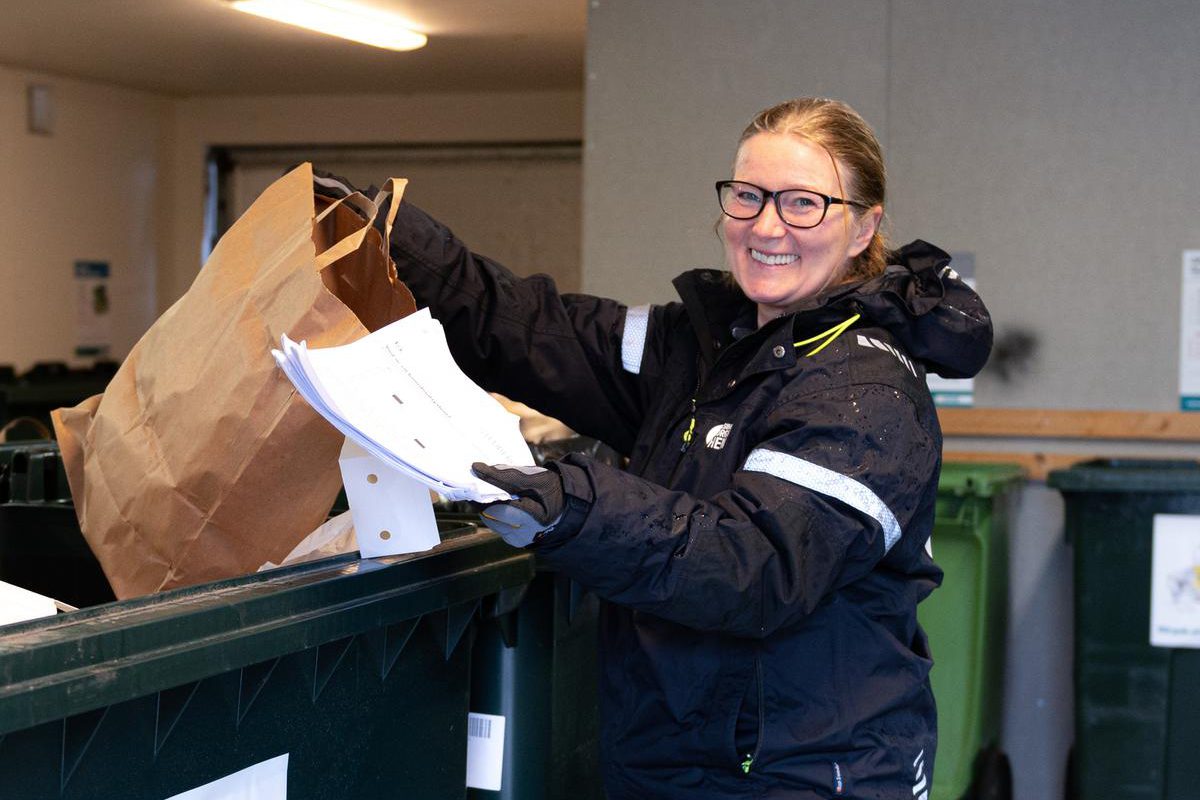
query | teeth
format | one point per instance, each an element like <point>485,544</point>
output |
<point>773,260</point>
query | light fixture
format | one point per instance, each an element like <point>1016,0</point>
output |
<point>338,18</point>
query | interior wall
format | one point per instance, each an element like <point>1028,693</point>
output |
<point>515,203</point>
<point>1054,142</point>
<point>122,179</point>
<point>670,85</point>
<point>1057,141</point>
<point>88,191</point>
<point>201,123</point>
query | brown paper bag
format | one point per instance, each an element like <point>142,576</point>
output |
<point>200,461</point>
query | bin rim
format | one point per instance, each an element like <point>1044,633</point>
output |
<point>71,663</point>
<point>1128,476</point>
<point>978,478</point>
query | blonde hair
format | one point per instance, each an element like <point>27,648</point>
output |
<point>842,133</point>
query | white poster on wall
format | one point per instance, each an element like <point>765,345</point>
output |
<point>1175,581</point>
<point>1189,333</point>
<point>93,310</point>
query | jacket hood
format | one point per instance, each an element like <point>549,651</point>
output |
<point>921,301</point>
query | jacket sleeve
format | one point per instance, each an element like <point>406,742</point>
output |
<point>559,353</point>
<point>813,508</point>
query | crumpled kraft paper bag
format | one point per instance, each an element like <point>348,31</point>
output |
<point>200,461</point>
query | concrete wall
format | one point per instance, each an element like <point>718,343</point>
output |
<point>1056,142</point>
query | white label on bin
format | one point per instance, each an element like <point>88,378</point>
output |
<point>1175,581</point>
<point>18,605</point>
<point>485,751</point>
<point>266,780</point>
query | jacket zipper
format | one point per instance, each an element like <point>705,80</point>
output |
<point>748,761</point>
<point>689,434</point>
<point>662,443</point>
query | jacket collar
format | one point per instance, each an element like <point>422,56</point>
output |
<point>715,305</point>
<point>919,299</point>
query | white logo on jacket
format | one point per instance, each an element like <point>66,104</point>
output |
<point>717,435</point>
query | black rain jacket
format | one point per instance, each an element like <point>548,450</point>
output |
<point>762,571</point>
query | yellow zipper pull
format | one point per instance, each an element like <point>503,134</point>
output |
<point>691,429</point>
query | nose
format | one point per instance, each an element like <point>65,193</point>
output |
<point>768,224</point>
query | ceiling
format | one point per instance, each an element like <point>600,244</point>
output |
<point>202,47</point>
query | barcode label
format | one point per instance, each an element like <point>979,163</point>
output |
<point>479,727</point>
<point>485,751</point>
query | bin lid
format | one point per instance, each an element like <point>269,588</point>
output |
<point>1128,475</point>
<point>976,479</point>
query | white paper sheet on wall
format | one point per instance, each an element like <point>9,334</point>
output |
<point>266,780</point>
<point>1189,333</point>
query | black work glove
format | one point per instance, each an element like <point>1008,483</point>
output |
<point>538,505</point>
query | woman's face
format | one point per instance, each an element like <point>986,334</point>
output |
<point>776,265</point>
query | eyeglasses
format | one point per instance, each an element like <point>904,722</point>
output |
<point>800,208</point>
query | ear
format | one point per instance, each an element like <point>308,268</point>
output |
<point>864,230</point>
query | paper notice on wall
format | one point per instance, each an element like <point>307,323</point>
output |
<point>955,391</point>
<point>485,751</point>
<point>93,312</point>
<point>1189,333</point>
<point>1175,581</point>
<point>266,780</point>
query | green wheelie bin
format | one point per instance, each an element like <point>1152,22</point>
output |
<point>1137,705</point>
<point>965,620</point>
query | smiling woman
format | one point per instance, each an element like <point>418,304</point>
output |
<point>765,550</point>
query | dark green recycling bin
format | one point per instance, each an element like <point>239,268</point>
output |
<point>535,665</point>
<point>357,670</point>
<point>1137,707</point>
<point>41,546</point>
<point>965,620</point>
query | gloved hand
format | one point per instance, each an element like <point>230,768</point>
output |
<point>539,504</point>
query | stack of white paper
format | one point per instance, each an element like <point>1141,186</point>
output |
<point>398,393</point>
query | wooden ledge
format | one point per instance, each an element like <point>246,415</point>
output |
<point>1036,466</point>
<point>1159,426</point>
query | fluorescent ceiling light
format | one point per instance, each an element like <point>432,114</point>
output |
<point>338,18</point>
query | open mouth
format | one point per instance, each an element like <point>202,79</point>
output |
<point>772,259</point>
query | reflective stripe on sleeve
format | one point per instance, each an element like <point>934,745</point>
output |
<point>633,340</point>
<point>829,483</point>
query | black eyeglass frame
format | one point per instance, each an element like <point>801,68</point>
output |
<point>769,195</point>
